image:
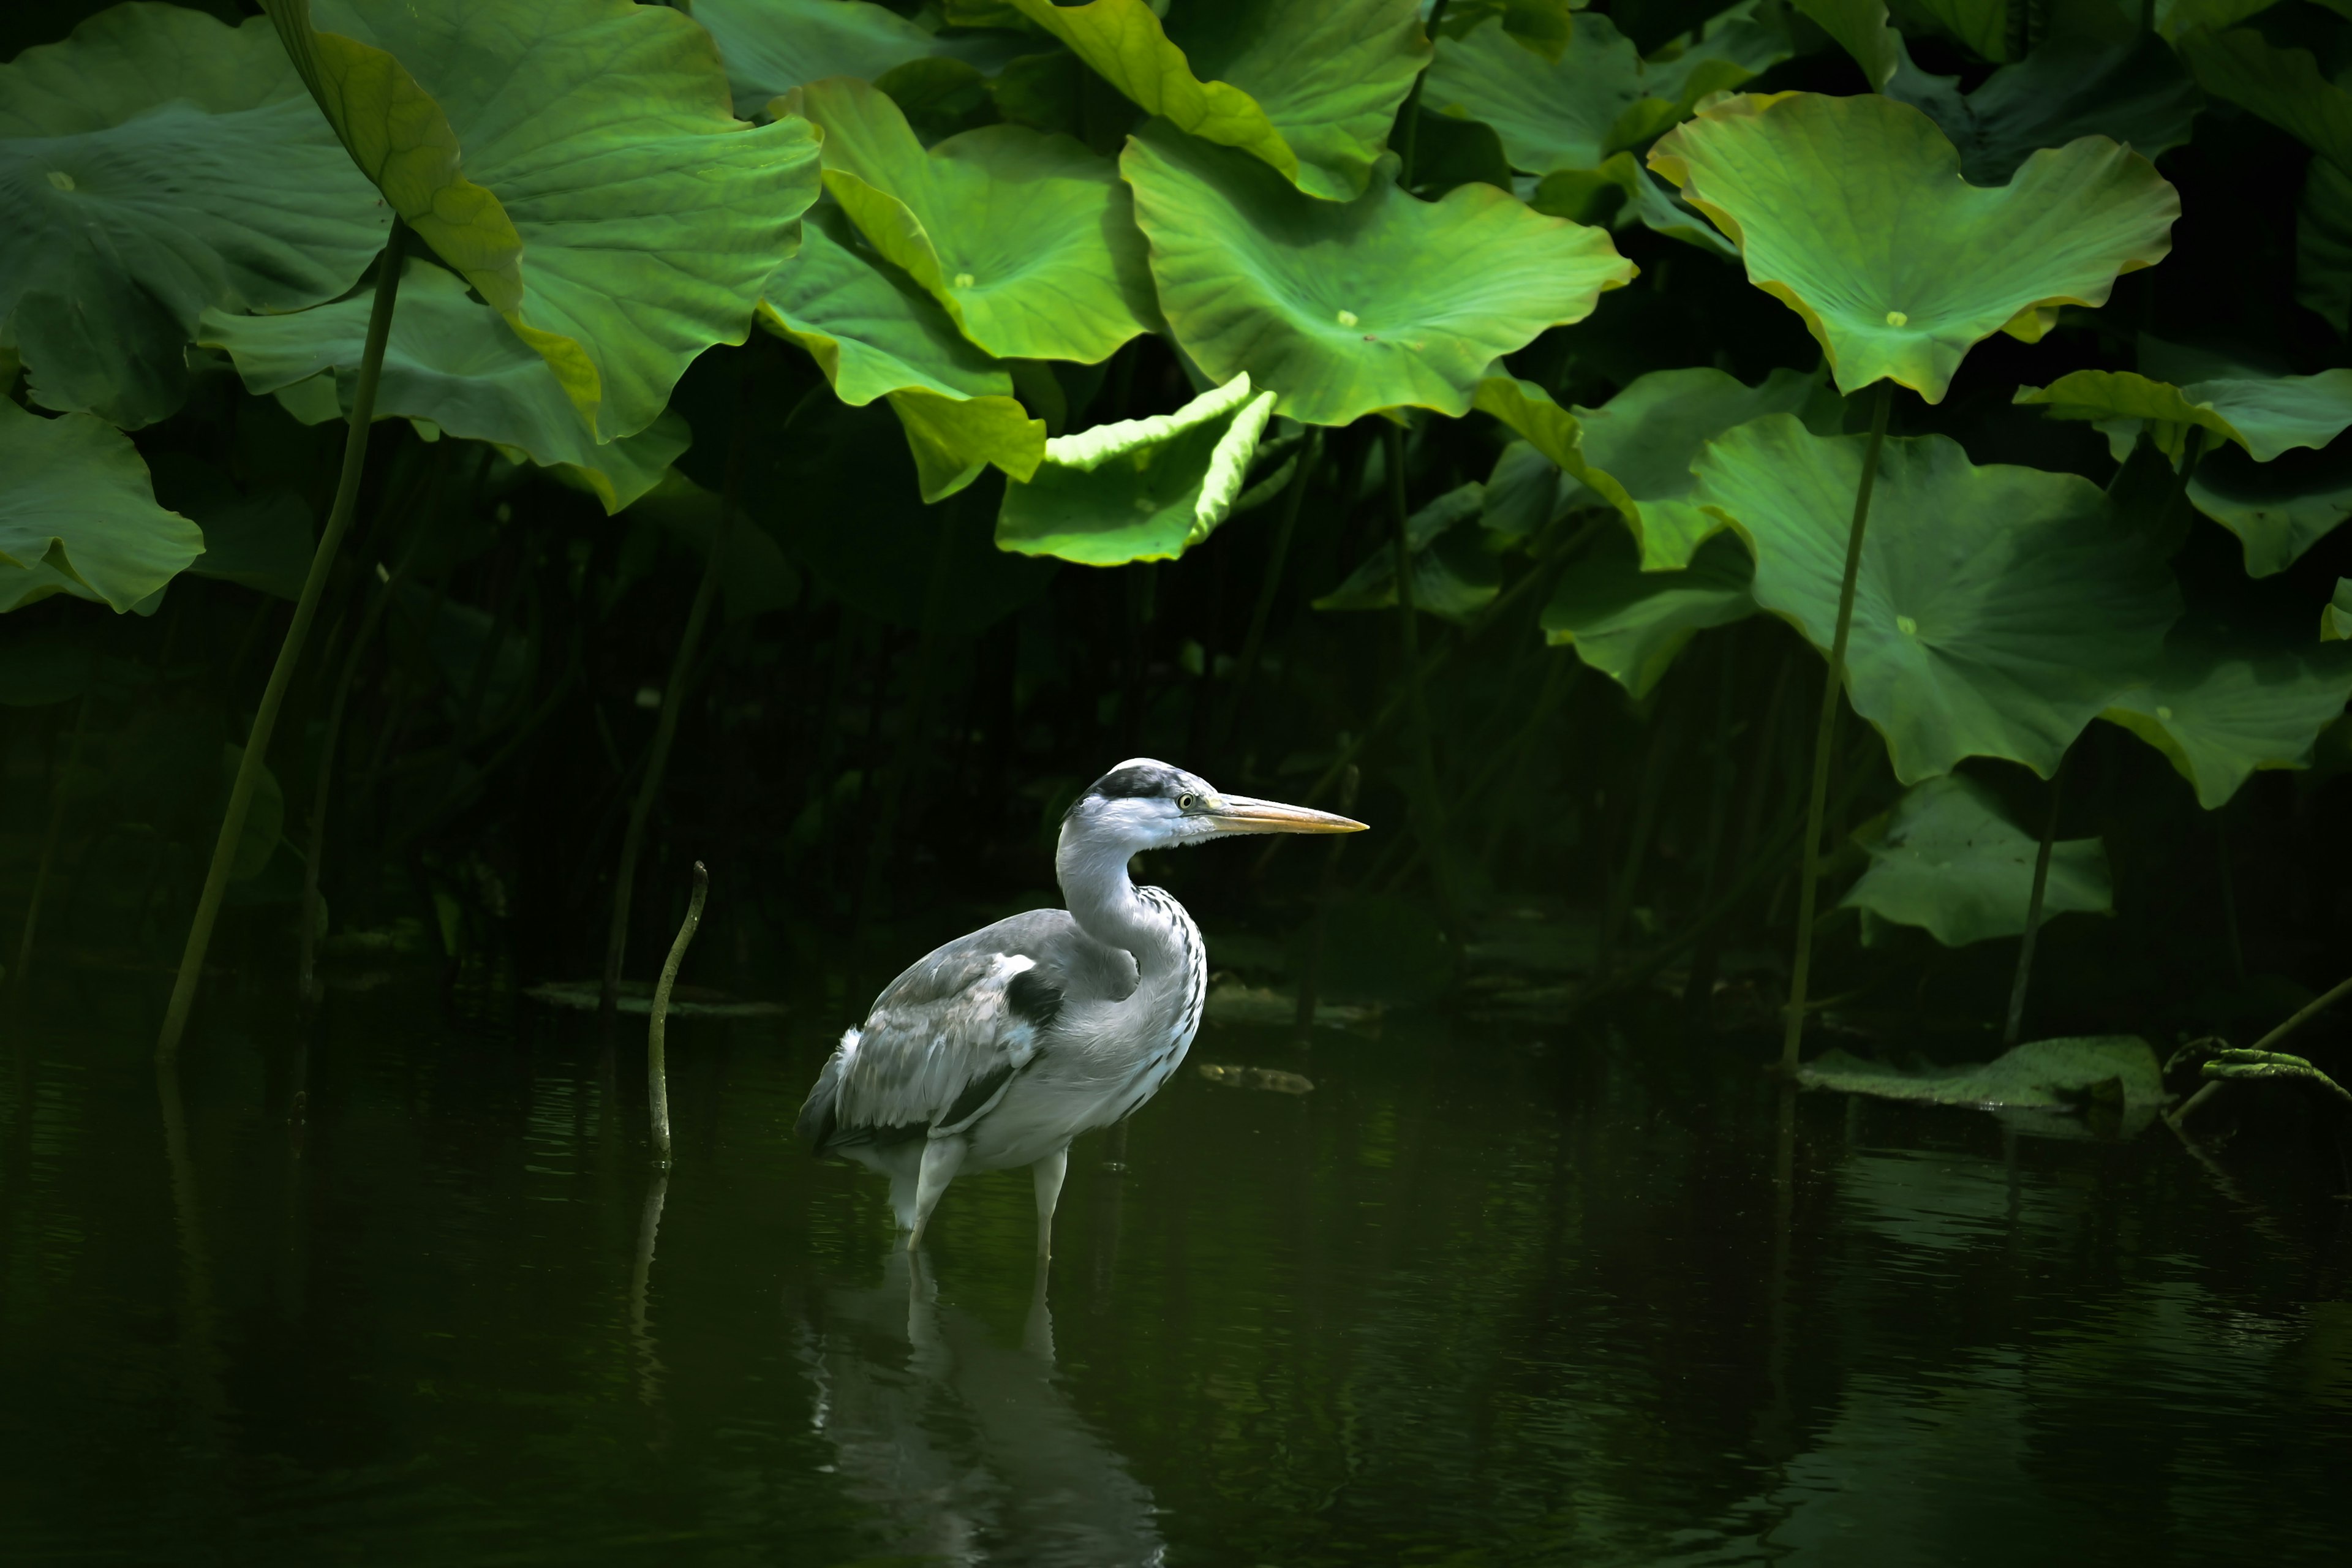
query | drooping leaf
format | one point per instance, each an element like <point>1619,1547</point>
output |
<point>1453,577</point>
<point>2070,86</point>
<point>1852,212</point>
<point>1340,309</point>
<point>1025,239</point>
<point>578,162</point>
<point>954,437</point>
<point>450,361</point>
<point>1528,409</point>
<point>771,47</point>
<point>1630,624</point>
<point>869,327</point>
<point>2284,86</point>
<point>77,514</point>
<point>2265,416</point>
<point>1141,490</point>
<point>153,164</point>
<point>2335,620</point>
<point>1947,859</point>
<point>1308,86</point>
<point>2049,1075</point>
<point>1998,609</point>
<point>2219,714</point>
<point>1862,30</point>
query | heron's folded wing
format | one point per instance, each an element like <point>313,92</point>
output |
<point>939,1049</point>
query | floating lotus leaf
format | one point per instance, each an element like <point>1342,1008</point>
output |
<point>578,161</point>
<point>153,164</point>
<point>1852,212</point>
<point>2070,86</point>
<point>954,437</point>
<point>1998,609</point>
<point>2265,416</point>
<point>1141,490</point>
<point>449,360</point>
<point>2284,86</point>
<point>77,514</point>
<point>1862,30</point>
<point>1023,238</point>
<point>2048,1075</point>
<point>1947,859</point>
<point>1381,302</point>
<point>1630,623</point>
<point>870,329</point>
<point>771,47</point>
<point>2335,620</point>
<point>2219,715</point>
<point>1453,577</point>
<point>1308,86</point>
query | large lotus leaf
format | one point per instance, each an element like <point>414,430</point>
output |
<point>155,164</point>
<point>2323,244</point>
<point>2046,1075</point>
<point>1308,86</point>
<point>1860,28</point>
<point>771,47</point>
<point>2265,416</point>
<point>1851,211</point>
<point>1947,859</point>
<point>263,541</point>
<point>1023,238</point>
<point>1630,623</point>
<point>450,361</point>
<point>1341,309</point>
<point>1981,24</point>
<point>1528,410</point>
<point>1453,576</point>
<point>954,437</point>
<point>2284,86</point>
<point>77,514</point>
<point>2219,715</point>
<point>1543,26</point>
<point>1998,609</point>
<point>599,135</point>
<point>1141,490</point>
<point>870,329</point>
<point>2070,86</point>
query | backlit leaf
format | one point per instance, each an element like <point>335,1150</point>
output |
<point>954,437</point>
<point>1950,860</point>
<point>77,514</point>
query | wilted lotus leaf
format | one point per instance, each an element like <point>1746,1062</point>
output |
<point>77,514</point>
<point>1947,859</point>
<point>954,437</point>
<point>578,162</point>
<point>1998,609</point>
<point>2219,715</point>
<point>2070,85</point>
<point>1141,490</point>
<point>1452,575</point>
<point>2265,416</point>
<point>155,164</point>
<point>1023,238</point>
<point>1630,623</point>
<point>450,361</point>
<point>1308,86</point>
<point>771,47</point>
<point>1851,211</point>
<point>1381,302</point>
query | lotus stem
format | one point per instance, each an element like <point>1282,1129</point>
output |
<point>1825,734</point>
<point>306,968</point>
<point>289,652</point>
<point>2034,909</point>
<point>658,1024</point>
<point>1433,828</point>
<point>2270,1042</point>
<point>24,966</point>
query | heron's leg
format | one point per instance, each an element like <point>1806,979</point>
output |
<point>942,1158</point>
<point>1048,1172</point>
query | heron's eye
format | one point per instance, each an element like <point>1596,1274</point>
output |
<point>1187,802</point>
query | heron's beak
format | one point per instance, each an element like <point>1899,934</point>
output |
<point>1243,814</point>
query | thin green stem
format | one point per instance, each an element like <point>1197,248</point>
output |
<point>657,1025</point>
<point>289,652</point>
<point>2034,909</point>
<point>1826,733</point>
<point>24,966</point>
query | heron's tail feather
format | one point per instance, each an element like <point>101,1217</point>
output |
<point>815,1123</point>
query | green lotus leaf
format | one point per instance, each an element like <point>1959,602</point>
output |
<point>2175,17</point>
<point>78,515</point>
<point>450,361</point>
<point>1862,29</point>
<point>153,164</point>
<point>1528,410</point>
<point>954,438</point>
<point>2045,1075</point>
<point>1023,238</point>
<point>1598,96</point>
<point>2219,714</point>
<point>1852,212</point>
<point>2323,244</point>
<point>2265,416</point>
<point>2335,620</point>
<point>1630,623</point>
<point>263,541</point>
<point>1998,610</point>
<point>1948,859</point>
<point>1525,491</point>
<point>1982,26</point>
<point>1308,86</point>
<point>1454,575</point>
<point>2284,86</point>
<point>1542,26</point>
<point>771,47</point>
<point>1141,490</point>
<point>2070,86</point>
<point>607,201</point>
<point>870,329</point>
<point>1340,309</point>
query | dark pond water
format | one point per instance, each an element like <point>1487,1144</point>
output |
<point>1479,1297</point>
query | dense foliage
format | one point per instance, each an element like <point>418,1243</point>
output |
<point>1480,400</point>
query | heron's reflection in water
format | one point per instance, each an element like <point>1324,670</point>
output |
<point>962,1443</point>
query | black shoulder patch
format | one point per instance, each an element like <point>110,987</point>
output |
<point>1129,782</point>
<point>974,1099</point>
<point>1034,998</point>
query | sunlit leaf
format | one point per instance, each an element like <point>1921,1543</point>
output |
<point>1630,623</point>
<point>954,437</point>
<point>1552,430</point>
<point>153,164</point>
<point>1025,239</point>
<point>2265,416</point>
<point>771,47</point>
<point>578,162</point>
<point>1851,211</point>
<point>1948,859</point>
<point>870,329</point>
<point>1341,309</point>
<point>1453,577</point>
<point>1308,86</point>
<point>1998,609</point>
<point>449,360</point>
<point>2070,86</point>
<point>1141,490</point>
<point>2219,715</point>
<point>77,514</point>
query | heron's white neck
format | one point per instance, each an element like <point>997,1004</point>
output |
<point>1101,897</point>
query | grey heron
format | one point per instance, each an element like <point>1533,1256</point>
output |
<point>997,1049</point>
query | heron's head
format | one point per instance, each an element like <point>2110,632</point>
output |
<point>1145,804</point>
